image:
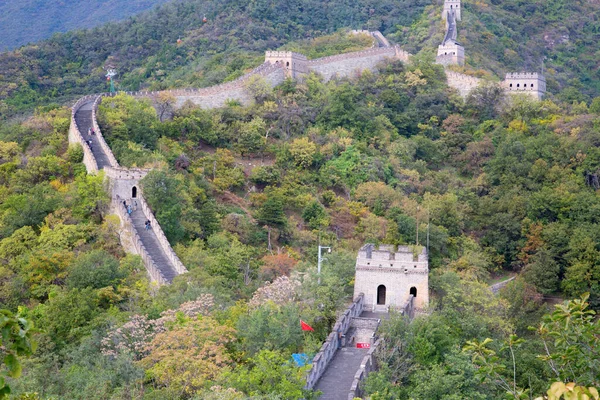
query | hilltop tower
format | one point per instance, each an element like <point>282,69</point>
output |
<point>452,6</point>
<point>450,51</point>
<point>388,276</point>
<point>529,83</point>
<point>295,65</point>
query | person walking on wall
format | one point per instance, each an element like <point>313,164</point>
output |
<point>135,205</point>
<point>147,224</point>
<point>129,209</point>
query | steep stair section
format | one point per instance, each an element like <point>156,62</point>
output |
<point>84,120</point>
<point>451,32</point>
<point>151,243</point>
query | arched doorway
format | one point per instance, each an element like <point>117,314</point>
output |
<point>413,291</point>
<point>381,294</point>
<point>133,192</point>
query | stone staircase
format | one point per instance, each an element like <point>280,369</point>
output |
<point>152,245</point>
<point>83,117</point>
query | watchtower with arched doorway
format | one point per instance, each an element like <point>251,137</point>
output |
<point>388,276</point>
<point>295,65</point>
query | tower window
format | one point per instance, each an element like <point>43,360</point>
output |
<point>413,291</point>
<point>511,85</point>
<point>287,64</point>
<point>518,85</point>
<point>133,192</point>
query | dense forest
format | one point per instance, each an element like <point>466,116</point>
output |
<point>28,21</point>
<point>559,37</point>
<point>500,186</point>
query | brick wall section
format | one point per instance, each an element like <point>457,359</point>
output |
<point>75,137</point>
<point>333,342</point>
<point>461,82</point>
<point>342,65</point>
<point>217,96</point>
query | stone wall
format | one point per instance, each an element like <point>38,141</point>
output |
<point>342,65</point>
<point>333,343</point>
<point>218,95</point>
<point>76,138</point>
<point>461,82</point>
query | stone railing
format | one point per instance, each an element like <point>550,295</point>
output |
<point>162,239</point>
<point>367,365</point>
<point>111,157</point>
<point>154,272</point>
<point>75,137</point>
<point>333,342</point>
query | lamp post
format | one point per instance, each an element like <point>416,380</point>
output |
<point>320,260</point>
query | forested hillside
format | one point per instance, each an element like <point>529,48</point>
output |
<point>28,21</point>
<point>494,186</point>
<point>510,35</point>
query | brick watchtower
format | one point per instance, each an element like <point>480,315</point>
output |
<point>452,6</point>
<point>294,64</point>
<point>387,276</point>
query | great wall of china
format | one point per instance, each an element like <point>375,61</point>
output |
<point>339,367</point>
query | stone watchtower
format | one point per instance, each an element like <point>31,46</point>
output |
<point>295,65</point>
<point>450,51</point>
<point>529,83</point>
<point>452,6</point>
<point>387,276</point>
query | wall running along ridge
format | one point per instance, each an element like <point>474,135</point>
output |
<point>342,65</point>
<point>75,137</point>
<point>217,96</point>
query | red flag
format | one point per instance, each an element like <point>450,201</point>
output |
<point>305,326</point>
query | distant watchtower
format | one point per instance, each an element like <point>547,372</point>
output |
<point>294,64</point>
<point>450,51</point>
<point>388,276</point>
<point>452,6</point>
<point>529,83</point>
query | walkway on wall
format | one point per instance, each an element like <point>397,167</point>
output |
<point>337,379</point>
<point>451,32</point>
<point>83,117</point>
<point>152,245</point>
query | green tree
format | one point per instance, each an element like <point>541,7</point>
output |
<point>270,373</point>
<point>96,269</point>
<point>16,341</point>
